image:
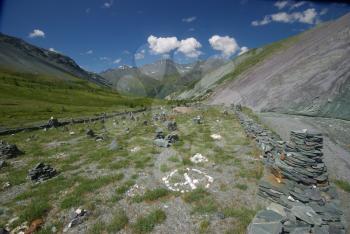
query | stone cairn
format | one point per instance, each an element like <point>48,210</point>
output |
<point>41,172</point>
<point>8,151</point>
<point>302,199</point>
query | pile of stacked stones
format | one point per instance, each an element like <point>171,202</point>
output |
<point>165,141</point>
<point>302,199</point>
<point>8,151</point>
<point>269,143</point>
<point>41,172</point>
<point>53,123</point>
<point>302,161</point>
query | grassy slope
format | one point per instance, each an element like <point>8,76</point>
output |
<point>258,57</point>
<point>26,98</point>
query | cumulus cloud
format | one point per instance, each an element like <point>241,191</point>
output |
<point>89,52</point>
<point>36,33</point>
<point>108,4</point>
<point>281,4</point>
<point>227,45</point>
<point>118,60</point>
<point>243,50</point>
<point>162,45</point>
<point>140,55</point>
<point>309,16</point>
<point>190,47</point>
<point>189,19</point>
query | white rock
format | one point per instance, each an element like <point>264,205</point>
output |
<point>216,136</point>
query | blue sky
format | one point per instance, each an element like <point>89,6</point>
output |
<point>107,33</point>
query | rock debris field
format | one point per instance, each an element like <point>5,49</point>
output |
<point>160,171</point>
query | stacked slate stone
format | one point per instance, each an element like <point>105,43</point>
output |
<point>41,172</point>
<point>270,144</point>
<point>53,123</point>
<point>299,187</point>
<point>8,151</point>
<point>171,125</point>
<point>302,161</point>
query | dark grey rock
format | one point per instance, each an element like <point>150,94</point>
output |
<point>266,221</point>
<point>41,172</point>
<point>53,123</point>
<point>172,138</point>
<point>171,125</point>
<point>161,143</point>
<point>90,132</point>
<point>2,163</point>
<point>307,214</point>
<point>4,231</point>
<point>8,151</point>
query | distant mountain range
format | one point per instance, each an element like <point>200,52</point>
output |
<point>20,56</point>
<point>161,78</point>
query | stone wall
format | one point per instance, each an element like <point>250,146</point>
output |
<point>296,183</point>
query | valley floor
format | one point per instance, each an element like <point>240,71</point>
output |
<point>126,182</point>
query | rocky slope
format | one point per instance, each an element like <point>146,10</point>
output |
<point>20,56</point>
<point>308,75</point>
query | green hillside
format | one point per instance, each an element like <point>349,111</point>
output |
<point>27,98</point>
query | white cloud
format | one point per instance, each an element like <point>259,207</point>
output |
<point>140,55</point>
<point>162,45</point>
<point>36,33</point>
<point>118,60</point>
<point>189,19</point>
<point>281,4</point>
<point>108,4</point>
<point>104,58</point>
<point>309,16</point>
<point>191,29</point>
<point>53,50</point>
<point>89,52</point>
<point>190,47</point>
<point>227,45</point>
<point>243,50</point>
<point>297,4</point>
<point>87,10</point>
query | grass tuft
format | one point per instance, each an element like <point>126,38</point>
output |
<point>146,223</point>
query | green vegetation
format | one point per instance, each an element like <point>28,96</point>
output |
<point>119,221</point>
<point>35,209</point>
<point>241,186</point>
<point>255,56</point>
<point>203,226</point>
<point>86,186</point>
<point>344,185</point>
<point>201,200</point>
<point>26,98</point>
<point>152,195</point>
<point>147,223</point>
<point>243,216</point>
<point>124,187</point>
